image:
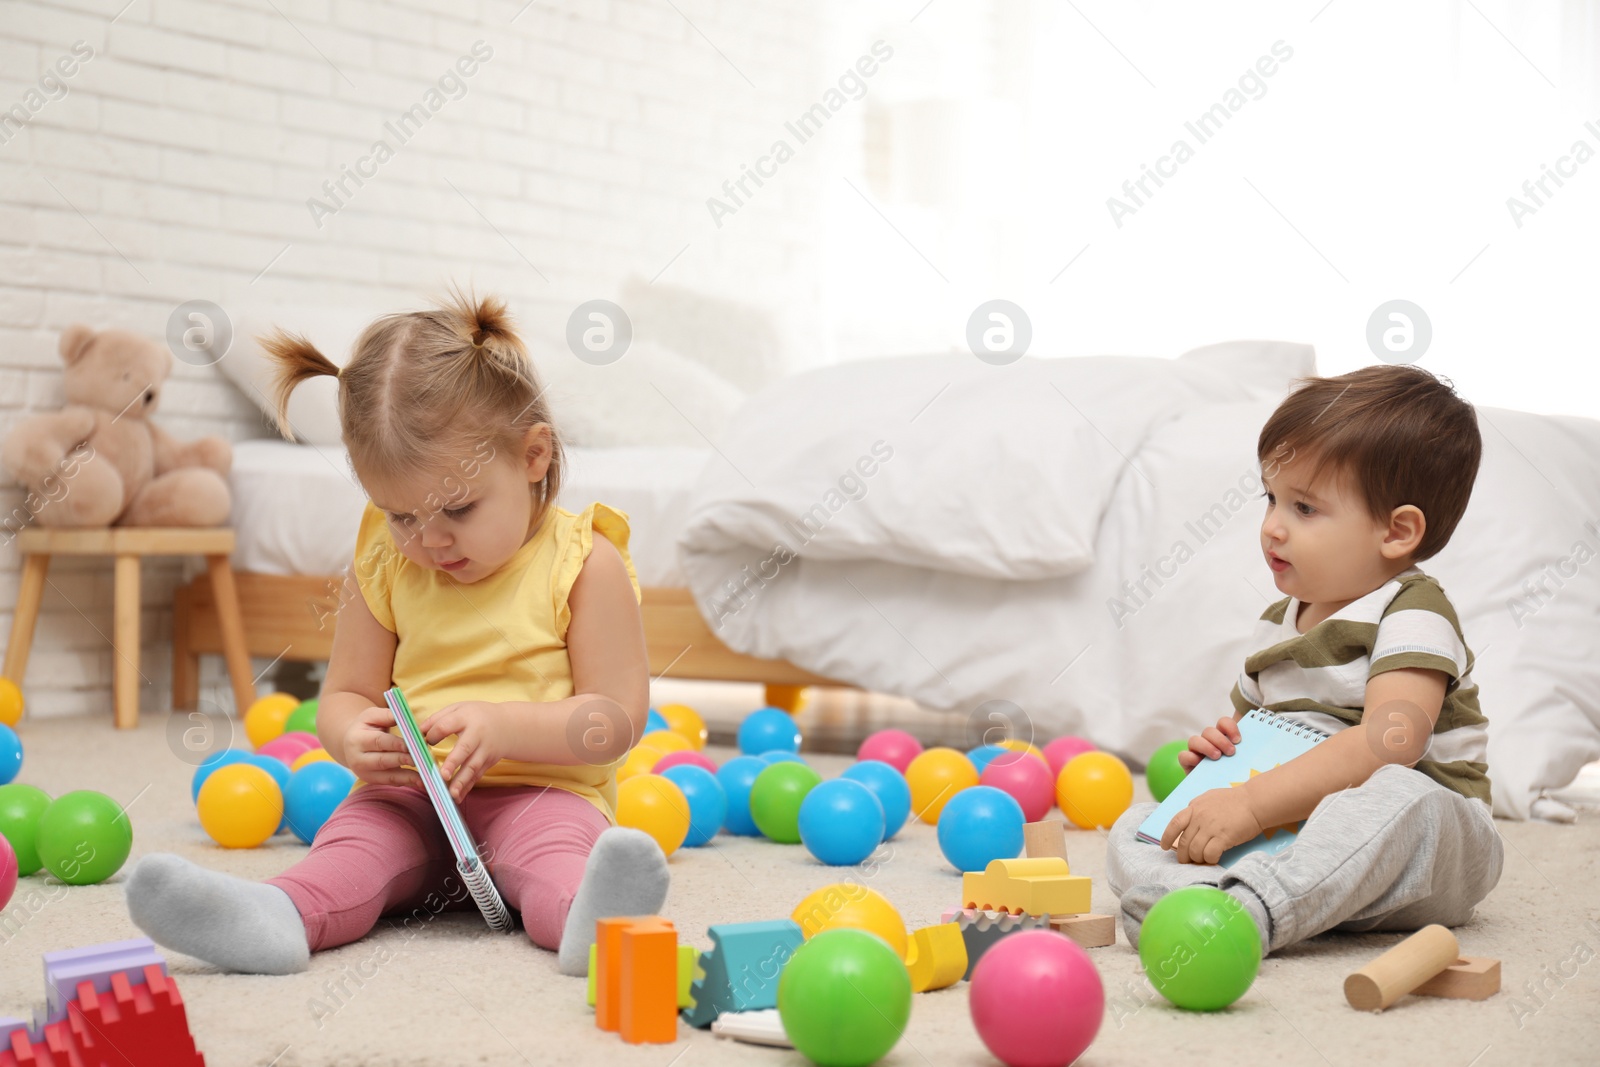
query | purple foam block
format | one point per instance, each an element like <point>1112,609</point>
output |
<point>63,971</point>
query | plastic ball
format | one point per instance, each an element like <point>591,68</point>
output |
<point>767,729</point>
<point>641,759</point>
<point>303,719</point>
<point>1027,780</point>
<point>889,786</point>
<point>286,748</point>
<point>708,804</point>
<point>894,747</point>
<point>841,822</point>
<point>1058,752</point>
<point>978,825</point>
<point>10,754</point>
<point>1036,999</point>
<point>666,741</point>
<point>1200,948</point>
<point>1164,772</point>
<point>314,791</point>
<point>313,755</point>
<point>268,716</point>
<point>654,721</point>
<point>280,773</point>
<point>21,807</point>
<point>854,906</point>
<point>1093,789</point>
<point>8,873</point>
<point>84,837</point>
<point>983,755</point>
<point>686,758</point>
<point>737,776</point>
<point>1017,744</point>
<point>11,703</point>
<point>934,777</point>
<point>656,805</point>
<point>777,755</point>
<point>241,805</point>
<point>210,763</point>
<point>683,720</point>
<point>775,800</point>
<point>844,998</point>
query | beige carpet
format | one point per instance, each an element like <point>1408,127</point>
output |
<point>456,994</point>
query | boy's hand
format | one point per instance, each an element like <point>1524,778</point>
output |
<point>376,755</point>
<point>481,741</point>
<point>1214,822</point>
<point>1215,742</point>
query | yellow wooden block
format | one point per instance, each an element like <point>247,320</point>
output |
<point>936,957</point>
<point>1043,886</point>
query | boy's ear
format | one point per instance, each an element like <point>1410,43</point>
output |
<point>1407,524</point>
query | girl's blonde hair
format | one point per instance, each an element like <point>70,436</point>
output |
<point>424,390</point>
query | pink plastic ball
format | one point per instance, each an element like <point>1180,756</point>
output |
<point>684,757</point>
<point>1026,779</point>
<point>289,747</point>
<point>8,872</point>
<point>894,747</point>
<point>1062,749</point>
<point>1037,1000</point>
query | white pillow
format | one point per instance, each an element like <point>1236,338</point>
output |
<point>1262,369</point>
<point>313,410</point>
<point>651,396</point>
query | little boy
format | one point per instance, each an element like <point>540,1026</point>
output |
<point>1366,475</point>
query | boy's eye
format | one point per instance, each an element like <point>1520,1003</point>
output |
<point>1308,509</point>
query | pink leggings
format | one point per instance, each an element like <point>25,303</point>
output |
<point>383,852</point>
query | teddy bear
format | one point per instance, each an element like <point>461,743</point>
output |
<point>101,461</point>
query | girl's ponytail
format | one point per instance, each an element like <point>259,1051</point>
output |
<point>297,359</point>
<point>485,325</point>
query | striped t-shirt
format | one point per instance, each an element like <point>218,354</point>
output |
<point>1320,677</point>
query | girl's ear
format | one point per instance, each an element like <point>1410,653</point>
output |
<point>538,448</point>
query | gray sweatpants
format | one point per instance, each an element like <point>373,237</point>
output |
<point>1398,852</point>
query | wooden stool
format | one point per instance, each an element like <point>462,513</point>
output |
<point>129,545</point>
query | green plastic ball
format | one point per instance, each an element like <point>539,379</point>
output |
<point>84,837</point>
<point>844,998</point>
<point>1165,772</point>
<point>20,808</point>
<point>1200,948</point>
<point>775,800</point>
<point>303,718</point>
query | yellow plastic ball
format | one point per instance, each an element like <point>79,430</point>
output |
<point>1094,789</point>
<point>935,776</point>
<point>10,702</point>
<point>666,741</point>
<point>264,721</point>
<point>311,755</point>
<point>240,805</point>
<point>1017,744</point>
<point>657,806</point>
<point>639,761</point>
<point>686,722</point>
<point>849,904</point>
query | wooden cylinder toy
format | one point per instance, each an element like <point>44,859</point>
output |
<point>1402,969</point>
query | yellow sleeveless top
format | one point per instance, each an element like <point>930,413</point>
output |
<point>498,639</point>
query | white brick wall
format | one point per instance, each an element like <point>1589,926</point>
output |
<point>184,151</point>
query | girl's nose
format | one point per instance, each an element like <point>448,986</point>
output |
<point>433,536</point>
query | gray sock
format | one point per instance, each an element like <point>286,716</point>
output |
<point>626,875</point>
<point>1257,909</point>
<point>225,921</point>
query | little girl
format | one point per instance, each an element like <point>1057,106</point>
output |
<point>514,632</point>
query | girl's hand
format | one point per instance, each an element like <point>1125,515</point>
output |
<point>376,755</point>
<point>1215,742</point>
<point>481,741</point>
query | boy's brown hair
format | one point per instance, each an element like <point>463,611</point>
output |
<point>1400,434</point>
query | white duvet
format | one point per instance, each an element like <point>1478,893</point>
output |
<point>1070,546</point>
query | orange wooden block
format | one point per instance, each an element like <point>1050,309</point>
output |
<point>1468,978</point>
<point>649,982</point>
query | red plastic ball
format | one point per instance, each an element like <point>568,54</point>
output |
<point>1027,780</point>
<point>894,747</point>
<point>1062,749</point>
<point>684,757</point>
<point>1037,999</point>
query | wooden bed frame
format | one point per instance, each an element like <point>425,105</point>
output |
<point>291,617</point>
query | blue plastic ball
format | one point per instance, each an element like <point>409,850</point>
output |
<point>654,721</point>
<point>983,754</point>
<point>980,824</point>
<point>889,786</point>
<point>10,754</point>
<point>280,774</point>
<point>708,803</point>
<point>841,822</point>
<point>736,777</point>
<point>767,729</point>
<point>313,792</point>
<point>211,763</point>
<point>780,756</point>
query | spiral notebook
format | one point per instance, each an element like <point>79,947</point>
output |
<point>1266,739</point>
<point>468,861</point>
